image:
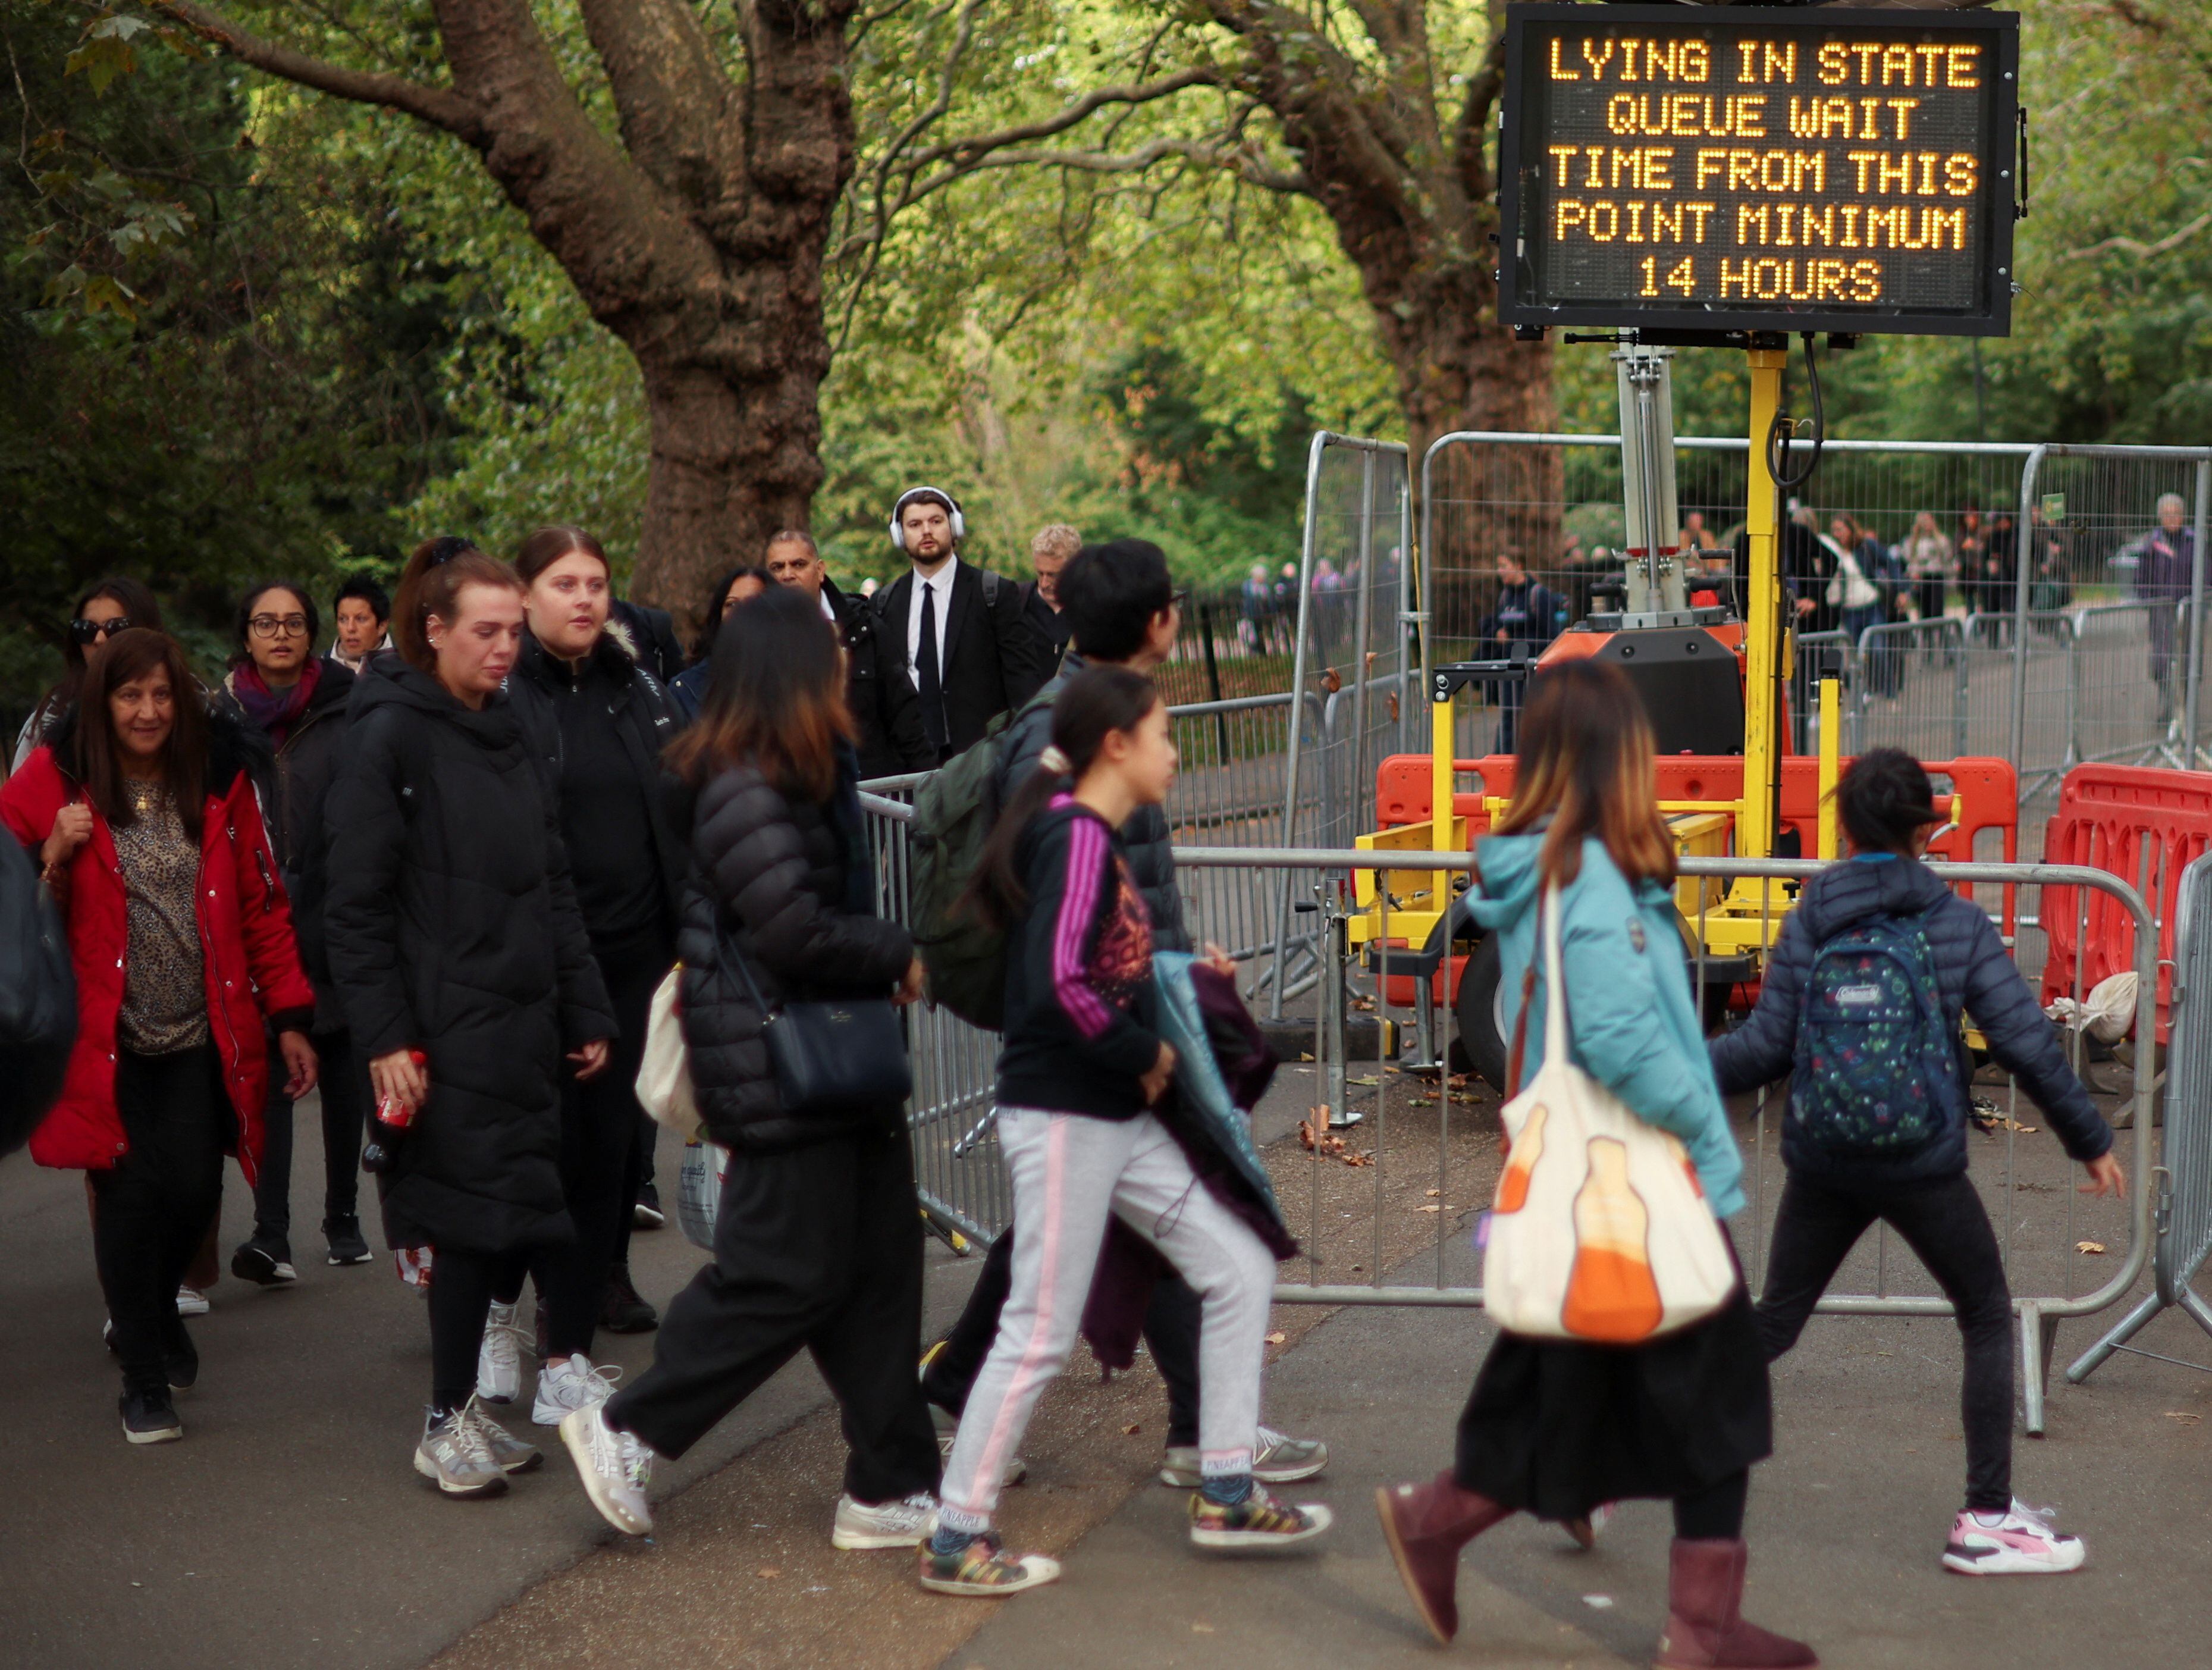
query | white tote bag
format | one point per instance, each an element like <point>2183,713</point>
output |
<point>1600,1231</point>
<point>698,1190</point>
<point>664,1076</point>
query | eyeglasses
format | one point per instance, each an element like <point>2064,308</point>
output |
<point>84,631</point>
<point>1181,601</point>
<point>291,625</point>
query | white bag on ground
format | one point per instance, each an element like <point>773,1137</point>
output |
<point>698,1190</point>
<point>664,1074</point>
<point>2107,1014</point>
<point>1600,1231</point>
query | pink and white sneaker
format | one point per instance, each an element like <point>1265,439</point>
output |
<point>2020,1541</point>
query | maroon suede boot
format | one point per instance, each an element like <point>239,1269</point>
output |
<point>1705,1629</point>
<point>1427,1525</point>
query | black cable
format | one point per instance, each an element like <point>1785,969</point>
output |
<point>1779,434</point>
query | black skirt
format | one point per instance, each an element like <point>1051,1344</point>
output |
<point>1555,1428</point>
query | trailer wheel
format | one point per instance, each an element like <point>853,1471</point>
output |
<point>1477,1016</point>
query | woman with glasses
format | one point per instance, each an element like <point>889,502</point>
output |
<point>294,701</point>
<point>141,812</point>
<point>115,604</point>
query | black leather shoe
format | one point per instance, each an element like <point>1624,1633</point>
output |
<point>622,1311</point>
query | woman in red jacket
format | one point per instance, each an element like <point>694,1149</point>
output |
<point>144,821</point>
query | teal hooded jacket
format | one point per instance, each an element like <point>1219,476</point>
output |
<point>1632,1019</point>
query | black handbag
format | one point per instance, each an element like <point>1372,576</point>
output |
<point>835,1057</point>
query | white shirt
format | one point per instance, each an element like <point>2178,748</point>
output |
<point>941,583</point>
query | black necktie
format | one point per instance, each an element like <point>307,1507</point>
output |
<point>925,677</point>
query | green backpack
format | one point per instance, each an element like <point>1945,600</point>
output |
<point>953,812</point>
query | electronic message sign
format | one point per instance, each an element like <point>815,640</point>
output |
<point>1746,168</point>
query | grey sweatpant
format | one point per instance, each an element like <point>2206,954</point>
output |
<point>1069,1172</point>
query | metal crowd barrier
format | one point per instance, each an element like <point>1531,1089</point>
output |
<point>2180,1189</point>
<point>2038,1312</point>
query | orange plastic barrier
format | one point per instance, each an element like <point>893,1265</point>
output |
<point>2139,823</point>
<point>1992,788</point>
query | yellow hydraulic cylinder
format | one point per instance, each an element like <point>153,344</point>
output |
<point>1762,729</point>
<point>1832,750</point>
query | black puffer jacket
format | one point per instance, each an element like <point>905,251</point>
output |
<point>293,782</point>
<point>1145,841</point>
<point>646,719</point>
<point>453,929</point>
<point>785,884</point>
<point>1973,973</point>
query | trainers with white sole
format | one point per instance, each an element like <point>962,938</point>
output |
<point>1259,1524</point>
<point>984,1570</point>
<point>191,1301</point>
<point>564,1388</point>
<point>900,1524</point>
<point>510,1453</point>
<point>1277,1459</point>
<point>2019,1542</point>
<point>615,1468</point>
<point>499,1359</point>
<point>455,1455</point>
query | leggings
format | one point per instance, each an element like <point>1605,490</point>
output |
<point>1946,1227</point>
<point>1715,1513</point>
<point>1069,1173</point>
<point>461,1290</point>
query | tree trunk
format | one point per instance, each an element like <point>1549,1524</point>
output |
<point>732,463</point>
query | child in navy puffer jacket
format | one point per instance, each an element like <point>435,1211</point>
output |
<point>1922,1192</point>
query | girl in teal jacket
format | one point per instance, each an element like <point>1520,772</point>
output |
<point>1557,1427</point>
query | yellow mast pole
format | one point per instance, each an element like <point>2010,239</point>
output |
<point>1762,713</point>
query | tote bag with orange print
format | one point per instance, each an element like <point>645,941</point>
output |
<point>1600,1231</point>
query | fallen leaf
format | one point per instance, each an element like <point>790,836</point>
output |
<point>2088,1246</point>
<point>2187,1417</point>
<point>1201,1629</point>
<point>769,1571</point>
<point>1277,1339</point>
<point>1132,1429</point>
<point>1432,1193</point>
<point>1358,1158</point>
<point>1432,1207</point>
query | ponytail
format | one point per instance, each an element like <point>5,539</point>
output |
<point>1097,701</point>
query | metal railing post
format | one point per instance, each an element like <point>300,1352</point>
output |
<point>2028,474</point>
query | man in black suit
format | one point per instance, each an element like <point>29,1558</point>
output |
<point>1049,550</point>
<point>970,647</point>
<point>884,707</point>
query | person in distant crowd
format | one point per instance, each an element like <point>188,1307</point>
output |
<point>817,1246</point>
<point>1558,1427</point>
<point>360,614</point>
<point>1524,618</point>
<point>142,814</point>
<point>1863,589</point>
<point>730,587</point>
<point>1929,563</point>
<point>280,692</point>
<point>2001,575</point>
<point>886,711</point>
<point>597,721</point>
<point>1255,603</point>
<point>1910,1170</point>
<point>2164,574</point>
<point>1968,549</point>
<point>115,604</point>
<point>461,956</point>
<point>970,647</point>
<point>1050,547</point>
<point>1121,607</point>
<point>1696,536</point>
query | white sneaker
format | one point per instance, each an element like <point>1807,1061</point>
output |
<point>191,1301</point>
<point>885,1524</point>
<point>1277,1459</point>
<point>572,1386</point>
<point>2021,1540</point>
<point>499,1359</point>
<point>455,1455</point>
<point>615,1468</point>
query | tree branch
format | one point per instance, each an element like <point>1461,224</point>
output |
<point>442,107</point>
<point>2143,252</point>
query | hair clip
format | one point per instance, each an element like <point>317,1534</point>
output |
<point>446,546</point>
<point>1053,760</point>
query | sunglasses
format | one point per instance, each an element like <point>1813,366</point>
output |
<point>84,631</point>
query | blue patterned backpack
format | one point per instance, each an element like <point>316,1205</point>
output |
<point>1877,1071</point>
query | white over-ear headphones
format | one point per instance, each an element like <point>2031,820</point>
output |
<point>898,528</point>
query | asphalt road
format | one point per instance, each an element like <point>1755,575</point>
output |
<point>288,1528</point>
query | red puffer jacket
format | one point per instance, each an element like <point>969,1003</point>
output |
<point>251,962</point>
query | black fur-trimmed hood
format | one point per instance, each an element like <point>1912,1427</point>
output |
<point>232,746</point>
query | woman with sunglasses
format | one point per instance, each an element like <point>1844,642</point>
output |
<point>282,692</point>
<point>115,604</point>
